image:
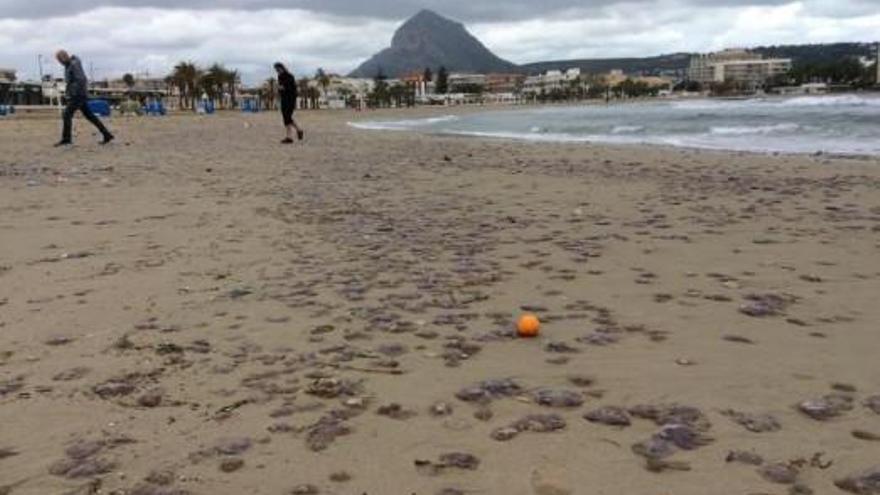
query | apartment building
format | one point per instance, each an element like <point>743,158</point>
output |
<point>737,66</point>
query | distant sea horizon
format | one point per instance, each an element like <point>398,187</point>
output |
<point>844,124</point>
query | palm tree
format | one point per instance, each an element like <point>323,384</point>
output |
<point>215,82</point>
<point>128,79</point>
<point>232,78</point>
<point>305,90</point>
<point>186,77</point>
<point>270,89</point>
<point>323,80</point>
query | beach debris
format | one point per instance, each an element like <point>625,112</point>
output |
<point>779,473</point>
<point>866,482</point>
<point>654,448</point>
<point>225,412</point>
<point>122,386</point>
<point>11,385</point>
<point>827,407</point>
<point>239,293</point>
<point>305,490</point>
<point>232,446</point>
<point>71,374</point>
<point>550,480</point>
<point>395,411</point>
<point>161,477</point>
<point>231,464</point>
<point>560,398</point>
<point>684,436</point>
<point>458,350</point>
<point>332,388</point>
<point>845,388</point>
<point>599,339</point>
<point>535,423</point>
<point>452,460</point>
<point>756,423</point>
<point>873,403</point>
<point>7,452</point>
<point>800,489</point>
<point>483,414</point>
<point>489,390</point>
<point>341,477</point>
<point>582,381</point>
<point>151,399</point>
<point>439,409</point>
<point>866,435</point>
<point>738,339</point>
<point>766,305</point>
<point>661,465</point>
<point>392,350</point>
<point>325,431</point>
<point>82,461</point>
<point>744,457</point>
<point>58,340</point>
<point>610,416</point>
<point>150,489</point>
<point>682,428</point>
<point>672,414</point>
<point>561,348</point>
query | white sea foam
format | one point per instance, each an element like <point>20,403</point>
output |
<point>832,101</point>
<point>402,125</point>
<point>787,127</point>
<point>627,129</point>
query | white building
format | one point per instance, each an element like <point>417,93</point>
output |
<point>737,66</point>
<point>554,80</point>
<point>343,89</point>
<point>7,75</point>
<point>463,79</point>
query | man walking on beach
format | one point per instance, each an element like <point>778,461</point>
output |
<point>77,98</point>
<point>288,92</point>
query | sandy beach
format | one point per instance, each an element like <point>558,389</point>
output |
<point>197,309</point>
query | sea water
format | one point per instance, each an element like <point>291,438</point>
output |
<point>837,124</point>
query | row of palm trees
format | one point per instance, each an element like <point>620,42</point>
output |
<point>220,85</point>
<point>217,82</point>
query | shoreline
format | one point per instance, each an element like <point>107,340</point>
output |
<point>364,124</point>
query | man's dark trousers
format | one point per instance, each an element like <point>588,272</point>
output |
<point>80,103</point>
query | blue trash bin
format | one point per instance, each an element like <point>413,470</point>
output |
<point>100,107</point>
<point>155,108</point>
<point>2,110</point>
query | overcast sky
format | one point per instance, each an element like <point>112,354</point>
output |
<point>140,36</point>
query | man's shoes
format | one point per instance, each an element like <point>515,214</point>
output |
<point>63,142</point>
<point>287,141</point>
<point>301,135</point>
<point>107,139</point>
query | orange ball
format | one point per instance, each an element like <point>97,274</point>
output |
<point>528,326</point>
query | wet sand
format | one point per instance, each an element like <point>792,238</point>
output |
<point>198,309</point>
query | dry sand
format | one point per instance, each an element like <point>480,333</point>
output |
<point>198,309</point>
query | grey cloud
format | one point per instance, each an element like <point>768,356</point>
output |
<point>465,10</point>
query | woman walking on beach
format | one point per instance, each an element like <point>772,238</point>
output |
<point>288,92</point>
